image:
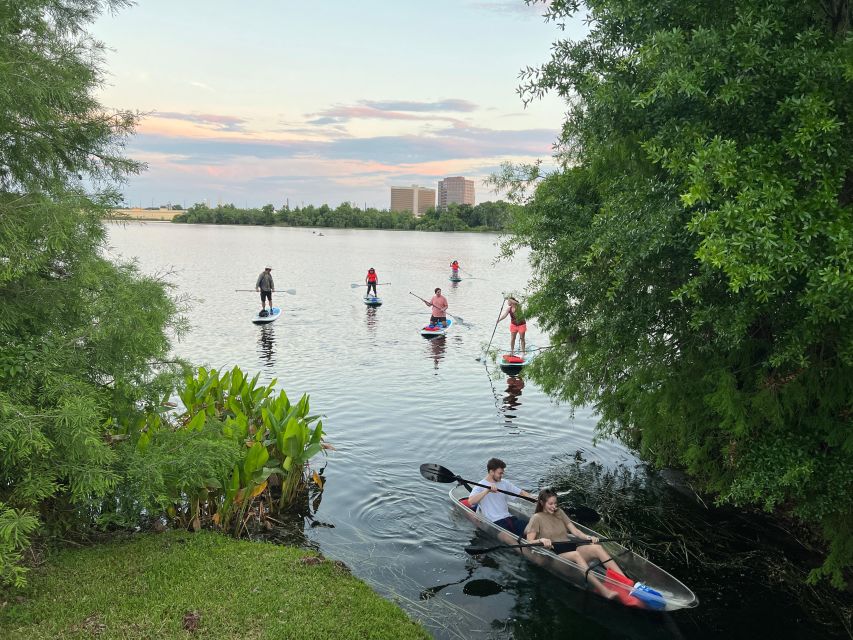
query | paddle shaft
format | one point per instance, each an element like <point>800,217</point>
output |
<point>556,544</point>
<point>487,486</point>
<point>363,284</point>
<point>496,326</point>
<point>459,318</point>
<point>290,291</point>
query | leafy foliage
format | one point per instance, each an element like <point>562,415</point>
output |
<point>692,258</point>
<point>486,216</point>
<point>221,460</point>
<point>83,339</point>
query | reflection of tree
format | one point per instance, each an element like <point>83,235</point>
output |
<point>266,345</point>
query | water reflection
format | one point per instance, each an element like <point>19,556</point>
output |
<point>437,348</point>
<point>266,346</point>
<point>370,318</point>
<point>511,401</point>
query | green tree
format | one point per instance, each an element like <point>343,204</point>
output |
<point>692,259</point>
<point>81,337</point>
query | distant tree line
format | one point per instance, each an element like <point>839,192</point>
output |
<point>486,216</point>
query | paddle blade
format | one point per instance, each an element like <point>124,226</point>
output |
<point>356,285</point>
<point>437,473</point>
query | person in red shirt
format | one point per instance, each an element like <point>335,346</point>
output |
<point>439,308</point>
<point>455,267</point>
<point>371,280</point>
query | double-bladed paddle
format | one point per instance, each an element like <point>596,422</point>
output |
<point>459,319</point>
<point>437,473</point>
<point>558,546</point>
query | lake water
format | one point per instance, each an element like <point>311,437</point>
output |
<point>392,400</point>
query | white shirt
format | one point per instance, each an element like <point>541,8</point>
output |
<point>494,506</point>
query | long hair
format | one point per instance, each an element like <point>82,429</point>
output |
<point>543,498</point>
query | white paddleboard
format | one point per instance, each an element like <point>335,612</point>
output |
<point>272,317</point>
<point>436,331</point>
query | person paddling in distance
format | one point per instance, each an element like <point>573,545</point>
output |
<point>455,267</point>
<point>371,281</point>
<point>438,305</point>
<point>517,323</point>
<point>492,504</point>
<point>551,527</point>
<point>265,285</point>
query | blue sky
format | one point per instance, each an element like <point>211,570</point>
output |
<point>265,101</point>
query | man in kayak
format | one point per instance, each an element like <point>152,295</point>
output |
<point>492,504</point>
<point>455,267</point>
<point>371,281</point>
<point>517,323</point>
<point>439,308</point>
<point>265,285</point>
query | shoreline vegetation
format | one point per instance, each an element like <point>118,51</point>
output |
<point>484,217</point>
<point>173,584</point>
<point>89,441</point>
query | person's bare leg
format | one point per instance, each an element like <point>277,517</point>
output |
<point>596,583</point>
<point>523,344</point>
<point>590,552</point>
<point>511,343</point>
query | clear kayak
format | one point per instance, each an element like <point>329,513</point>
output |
<point>658,591</point>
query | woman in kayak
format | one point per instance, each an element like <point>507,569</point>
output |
<point>551,527</point>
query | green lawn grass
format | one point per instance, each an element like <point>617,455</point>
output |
<point>152,586</point>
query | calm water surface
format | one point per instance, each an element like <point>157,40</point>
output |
<point>393,400</point>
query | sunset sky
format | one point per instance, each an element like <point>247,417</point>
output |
<point>267,100</point>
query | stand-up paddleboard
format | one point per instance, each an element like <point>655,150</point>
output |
<point>434,332</point>
<point>456,278</point>
<point>271,317</point>
<point>513,364</point>
<point>372,301</point>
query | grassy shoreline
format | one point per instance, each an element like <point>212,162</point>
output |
<point>177,584</point>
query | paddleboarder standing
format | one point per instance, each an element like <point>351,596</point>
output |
<point>454,266</point>
<point>265,285</point>
<point>492,504</point>
<point>439,308</point>
<point>371,281</point>
<point>517,323</point>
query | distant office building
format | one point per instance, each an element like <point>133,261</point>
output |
<point>415,199</point>
<point>455,189</point>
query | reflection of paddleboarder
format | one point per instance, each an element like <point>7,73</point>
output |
<point>517,323</point>
<point>514,385</point>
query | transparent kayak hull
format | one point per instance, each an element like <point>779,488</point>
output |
<point>673,595</point>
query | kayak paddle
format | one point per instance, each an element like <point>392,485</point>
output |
<point>437,473</point>
<point>460,319</point>
<point>559,546</point>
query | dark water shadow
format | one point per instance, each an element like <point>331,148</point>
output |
<point>370,317</point>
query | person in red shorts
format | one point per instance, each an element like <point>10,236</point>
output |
<point>517,323</point>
